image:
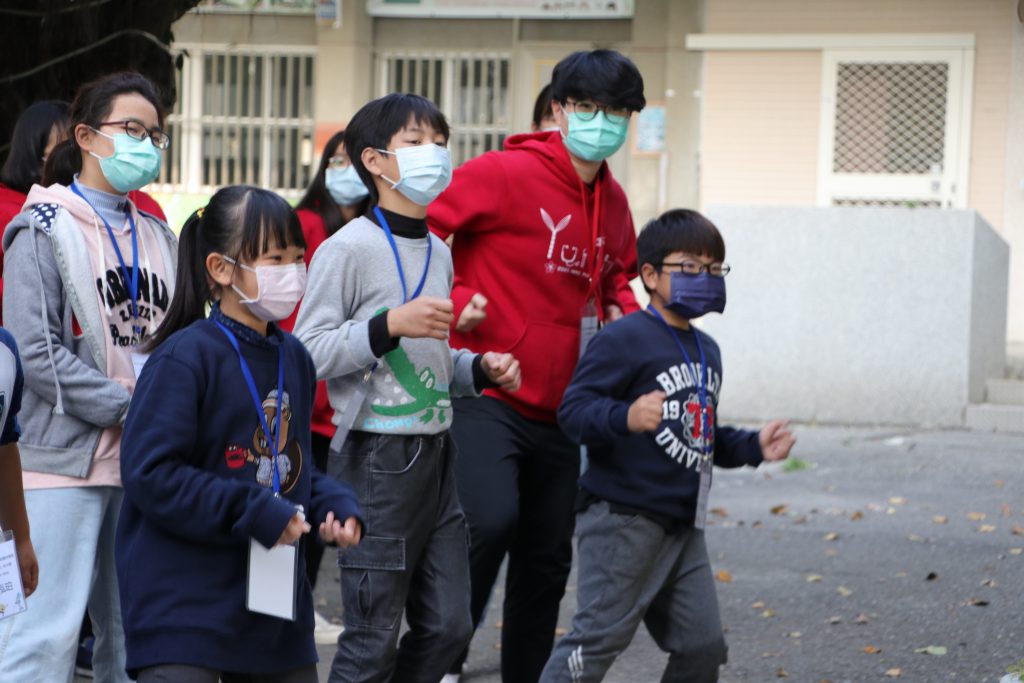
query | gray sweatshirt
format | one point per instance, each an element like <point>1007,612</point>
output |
<point>352,278</point>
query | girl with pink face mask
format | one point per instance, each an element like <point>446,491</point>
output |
<point>216,464</point>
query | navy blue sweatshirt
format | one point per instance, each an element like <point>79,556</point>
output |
<point>196,473</point>
<point>655,472</point>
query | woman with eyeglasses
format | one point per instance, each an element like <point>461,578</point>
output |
<point>88,279</point>
<point>334,197</point>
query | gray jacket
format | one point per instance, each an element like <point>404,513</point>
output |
<point>48,280</point>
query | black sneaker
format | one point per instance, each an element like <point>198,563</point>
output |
<point>83,660</point>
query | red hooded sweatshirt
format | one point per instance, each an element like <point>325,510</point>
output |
<point>526,232</point>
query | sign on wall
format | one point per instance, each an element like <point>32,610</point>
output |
<point>503,9</point>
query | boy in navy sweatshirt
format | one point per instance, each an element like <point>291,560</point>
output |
<point>643,401</point>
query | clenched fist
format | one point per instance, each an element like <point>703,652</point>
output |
<point>424,316</point>
<point>645,412</point>
<point>473,314</point>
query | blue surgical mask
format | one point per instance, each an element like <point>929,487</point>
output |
<point>692,296</point>
<point>596,139</point>
<point>134,163</point>
<point>345,186</point>
<point>425,170</point>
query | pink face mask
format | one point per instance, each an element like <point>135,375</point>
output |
<point>279,289</point>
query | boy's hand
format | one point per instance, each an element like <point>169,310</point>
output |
<point>332,531</point>
<point>28,564</point>
<point>297,526</point>
<point>776,440</point>
<point>502,369</point>
<point>645,413</point>
<point>612,313</point>
<point>473,314</point>
<point>423,317</point>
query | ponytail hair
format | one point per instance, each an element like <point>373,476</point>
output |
<point>241,222</point>
<point>92,105</point>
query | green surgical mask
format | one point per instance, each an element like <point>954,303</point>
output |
<point>596,139</point>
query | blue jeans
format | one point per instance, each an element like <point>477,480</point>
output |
<point>414,557</point>
<point>73,535</point>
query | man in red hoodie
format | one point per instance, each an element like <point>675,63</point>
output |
<point>544,247</point>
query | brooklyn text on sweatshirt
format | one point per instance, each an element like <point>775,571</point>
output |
<point>527,232</point>
<point>197,475</point>
<point>654,471</point>
<point>352,280</point>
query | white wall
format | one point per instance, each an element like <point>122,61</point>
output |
<point>872,316</point>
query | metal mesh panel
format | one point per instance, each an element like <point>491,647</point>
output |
<point>890,118</point>
<point>471,89</point>
<point>894,203</point>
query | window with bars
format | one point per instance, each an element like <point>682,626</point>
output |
<point>472,89</point>
<point>243,117</point>
<point>890,118</point>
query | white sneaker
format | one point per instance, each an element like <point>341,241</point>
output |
<point>450,678</point>
<point>325,632</point>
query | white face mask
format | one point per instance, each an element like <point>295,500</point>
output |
<point>279,289</point>
<point>426,170</point>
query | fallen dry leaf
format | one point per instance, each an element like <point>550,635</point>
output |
<point>989,583</point>
<point>1017,530</point>
<point>1016,551</point>
<point>768,613</point>
<point>975,516</point>
<point>780,509</point>
<point>844,591</point>
<point>719,511</point>
<point>890,511</point>
<point>857,515</point>
<point>1006,510</point>
<point>986,528</point>
<point>813,578</point>
<point>831,536</point>
<point>561,632</point>
<point>894,672</point>
<point>794,634</point>
<point>723,576</point>
<point>781,673</point>
<point>872,650</point>
<point>915,538</point>
<point>977,602</point>
<point>935,650</point>
<point>861,619</point>
<point>897,500</point>
<point>756,525</point>
<point>758,605</point>
<point>940,519</point>
<point>835,620</point>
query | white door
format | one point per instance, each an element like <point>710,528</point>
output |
<point>895,127</point>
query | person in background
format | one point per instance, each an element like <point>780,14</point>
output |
<point>543,117</point>
<point>89,277</point>
<point>543,248</point>
<point>334,197</point>
<point>38,130</point>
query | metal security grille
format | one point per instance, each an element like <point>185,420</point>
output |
<point>472,89</point>
<point>245,116</point>
<point>890,118</point>
<point>894,203</point>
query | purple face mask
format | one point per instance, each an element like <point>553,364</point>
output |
<point>692,296</point>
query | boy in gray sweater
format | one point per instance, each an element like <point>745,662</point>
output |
<point>376,318</point>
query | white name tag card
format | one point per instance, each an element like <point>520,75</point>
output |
<point>273,586</point>
<point>12,593</point>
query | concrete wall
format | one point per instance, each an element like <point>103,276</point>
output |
<point>872,316</point>
<point>1013,196</point>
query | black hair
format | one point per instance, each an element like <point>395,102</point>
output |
<point>24,165</point>
<point>604,76</point>
<point>241,222</point>
<point>91,106</point>
<point>542,107</point>
<point>318,199</point>
<point>377,122</point>
<point>678,230</point>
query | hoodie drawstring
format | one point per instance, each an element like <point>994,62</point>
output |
<point>58,408</point>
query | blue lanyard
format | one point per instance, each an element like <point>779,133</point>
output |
<point>702,391</point>
<point>133,280</point>
<point>398,261</point>
<point>270,436</point>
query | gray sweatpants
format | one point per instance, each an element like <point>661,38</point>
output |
<point>630,570</point>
